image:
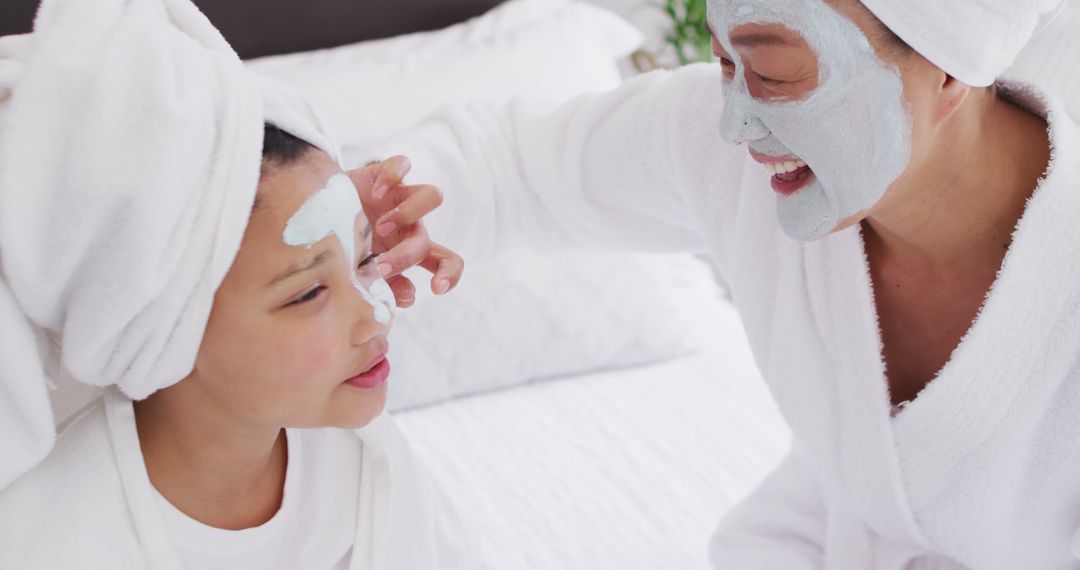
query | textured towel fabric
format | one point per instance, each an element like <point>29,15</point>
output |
<point>974,41</point>
<point>1052,58</point>
<point>130,150</point>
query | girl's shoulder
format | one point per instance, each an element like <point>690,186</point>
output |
<point>82,444</point>
<point>69,511</point>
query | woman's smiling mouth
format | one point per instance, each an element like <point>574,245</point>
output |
<point>789,173</point>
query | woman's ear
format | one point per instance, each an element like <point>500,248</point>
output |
<point>950,96</point>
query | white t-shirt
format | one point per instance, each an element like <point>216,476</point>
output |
<point>315,527</point>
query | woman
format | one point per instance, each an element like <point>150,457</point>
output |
<point>229,299</point>
<point>906,271</point>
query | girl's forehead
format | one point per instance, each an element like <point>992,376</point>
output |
<point>283,189</point>
<point>282,192</point>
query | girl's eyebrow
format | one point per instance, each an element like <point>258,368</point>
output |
<point>299,268</point>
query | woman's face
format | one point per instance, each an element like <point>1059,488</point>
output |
<point>294,338</point>
<point>818,102</point>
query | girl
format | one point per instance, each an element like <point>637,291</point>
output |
<point>231,300</point>
<point>906,270</point>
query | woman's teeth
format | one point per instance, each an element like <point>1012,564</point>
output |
<point>784,167</point>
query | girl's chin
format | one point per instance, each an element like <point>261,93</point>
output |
<point>358,408</point>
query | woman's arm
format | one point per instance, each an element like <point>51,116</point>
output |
<point>780,525</point>
<point>632,169</point>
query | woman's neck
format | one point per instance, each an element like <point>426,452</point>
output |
<point>960,210</point>
<point>209,465</point>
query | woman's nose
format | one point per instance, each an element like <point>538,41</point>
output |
<point>738,127</point>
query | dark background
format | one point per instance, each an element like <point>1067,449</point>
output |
<point>269,27</point>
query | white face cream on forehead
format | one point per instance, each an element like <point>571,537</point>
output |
<point>853,132</point>
<point>336,210</point>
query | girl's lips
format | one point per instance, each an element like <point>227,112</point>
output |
<point>373,378</point>
<point>791,182</point>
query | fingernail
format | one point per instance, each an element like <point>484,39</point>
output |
<point>442,286</point>
<point>385,269</point>
<point>386,228</point>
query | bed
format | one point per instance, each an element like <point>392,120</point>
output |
<point>613,439</point>
<point>624,469</point>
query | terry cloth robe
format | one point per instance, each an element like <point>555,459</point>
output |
<point>981,471</point>
<point>84,508</point>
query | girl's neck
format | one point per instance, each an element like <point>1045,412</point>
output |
<point>209,464</point>
<point>961,209</point>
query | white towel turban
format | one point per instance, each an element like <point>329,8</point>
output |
<point>974,41</point>
<point>130,150</point>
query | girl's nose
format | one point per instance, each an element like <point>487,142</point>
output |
<point>365,322</point>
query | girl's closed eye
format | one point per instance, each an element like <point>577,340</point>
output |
<point>311,295</point>
<point>319,289</point>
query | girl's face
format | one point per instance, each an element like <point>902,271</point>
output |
<point>817,102</point>
<point>295,337</point>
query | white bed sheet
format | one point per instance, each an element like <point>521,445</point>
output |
<point>626,470</point>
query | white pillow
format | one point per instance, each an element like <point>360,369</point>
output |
<point>544,49</point>
<point>543,317</point>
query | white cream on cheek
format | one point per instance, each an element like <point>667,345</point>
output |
<point>853,130</point>
<point>336,209</point>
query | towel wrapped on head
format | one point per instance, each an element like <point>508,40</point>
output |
<point>130,152</point>
<point>974,41</point>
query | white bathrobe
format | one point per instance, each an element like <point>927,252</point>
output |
<point>90,504</point>
<point>981,471</point>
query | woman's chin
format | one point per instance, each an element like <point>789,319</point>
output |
<point>847,223</point>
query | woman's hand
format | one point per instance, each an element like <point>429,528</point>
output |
<point>396,213</point>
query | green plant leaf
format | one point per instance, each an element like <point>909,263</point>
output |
<point>689,37</point>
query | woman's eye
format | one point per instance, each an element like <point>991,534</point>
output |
<point>368,260</point>
<point>307,297</point>
<point>728,68</point>
<point>769,80</point>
